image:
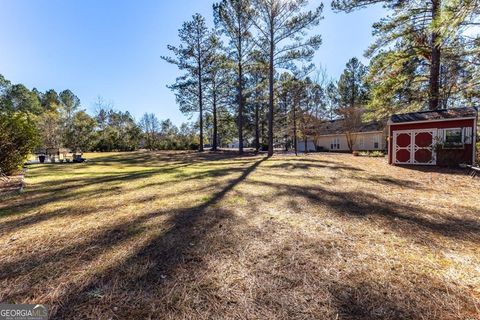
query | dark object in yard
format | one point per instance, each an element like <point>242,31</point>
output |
<point>474,171</point>
<point>41,159</point>
<point>77,158</point>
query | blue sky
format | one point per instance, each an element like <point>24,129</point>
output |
<point>112,48</point>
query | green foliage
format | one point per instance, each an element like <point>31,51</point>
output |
<point>56,121</point>
<point>193,56</point>
<point>422,56</point>
<point>164,135</point>
<point>19,110</point>
<point>18,137</point>
<point>151,127</point>
<point>235,18</point>
<point>80,134</point>
<point>282,37</point>
<point>353,90</point>
<point>301,103</point>
<point>117,131</point>
<point>69,104</point>
<point>50,129</point>
<point>396,94</point>
<point>50,100</point>
<point>372,154</point>
<point>282,26</point>
<point>17,98</point>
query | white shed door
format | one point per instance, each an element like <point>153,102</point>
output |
<point>414,147</point>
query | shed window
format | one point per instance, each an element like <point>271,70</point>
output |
<point>376,142</point>
<point>361,142</point>
<point>335,145</point>
<point>453,137</point>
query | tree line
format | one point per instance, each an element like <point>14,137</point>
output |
<point>30,119</point>
<point>256,65</point>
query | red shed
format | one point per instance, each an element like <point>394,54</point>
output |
<point>440,137</point>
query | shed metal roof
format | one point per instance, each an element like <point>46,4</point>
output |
<point>443,114</point>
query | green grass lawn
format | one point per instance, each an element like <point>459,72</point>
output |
<point>212,236</point>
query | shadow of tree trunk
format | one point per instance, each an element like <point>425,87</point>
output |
<point>162,255</point>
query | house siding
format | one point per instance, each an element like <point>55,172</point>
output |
<point>310,146</point>
<point>325,141</point>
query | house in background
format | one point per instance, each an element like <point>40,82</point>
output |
<point>370,136</point>
<point>310,146</point>
<point>439,137</point>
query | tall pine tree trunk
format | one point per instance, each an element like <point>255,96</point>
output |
<point>434,85</point>
<point>295,129</point>
<point>263,130</point>
<point>285,115</point>
<point>215,125</point>
<point>257,128</point>
<point>240,108</point>
<point>270,93</point>
<point>200,104</point>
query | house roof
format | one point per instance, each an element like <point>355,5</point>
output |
<point>338,127</point>
<point>442,114</point>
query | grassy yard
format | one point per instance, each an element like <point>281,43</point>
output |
<point>215,236</point>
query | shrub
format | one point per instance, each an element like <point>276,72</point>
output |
<point>377,154</point>
<point>18,137</point>
<point>373,154</point>
<point>194,146</point>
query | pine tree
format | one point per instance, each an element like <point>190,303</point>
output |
<point>411,52</point>
<point>282,26</point>
<point>311,109</point>
<point>352,98</point>
<point>258,71</point>
<point>234,18</point>
<point>218,91</point>
<point>192,56</point>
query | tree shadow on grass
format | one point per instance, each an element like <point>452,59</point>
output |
<point>436,169</point>
<point>85,251</point>
<point>365,299</point>
<point>145,158</point>
<point>160,256</point>
<point>395,182</point>
<point>65,189</point>
<point>301,165</point>
<point>68,188</point>
<point>416,222</point>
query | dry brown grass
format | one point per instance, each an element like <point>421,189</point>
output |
<point>215,236</point>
